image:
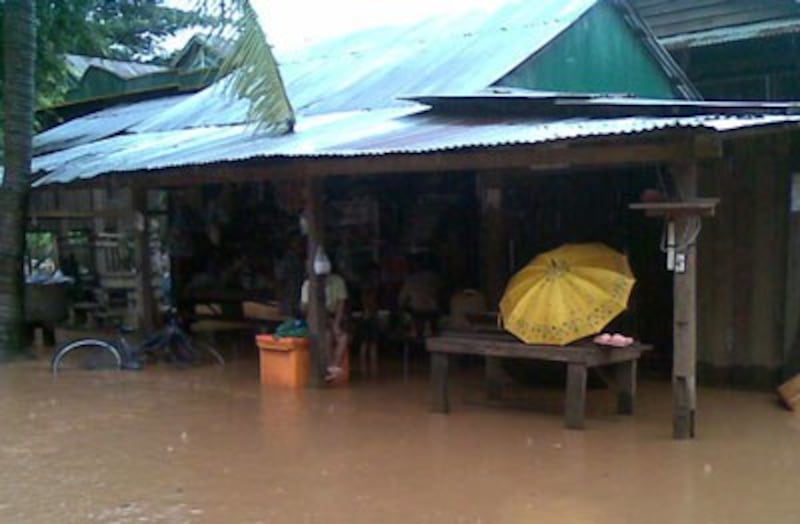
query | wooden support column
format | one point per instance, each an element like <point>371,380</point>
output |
<point>63,225</point>
<point>684,381</point>
<point>99,205</point>
<point>791,346</point>
<point>317,314</point>
<point>145,302</point>
<point>493,238</point>
<point>494,268</point>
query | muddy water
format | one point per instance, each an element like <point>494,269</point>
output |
<point>209,445</point>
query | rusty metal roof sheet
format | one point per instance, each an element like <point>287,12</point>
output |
<point>359,133</point>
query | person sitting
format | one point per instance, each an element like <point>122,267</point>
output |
<point>336,298</point>
<point>463,305</point>
<point>419,296</point>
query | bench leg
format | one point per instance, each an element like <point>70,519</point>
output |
<point>576,396</point>
<point>440,402</point>
<point>626,386</point>
<point>496,378</point>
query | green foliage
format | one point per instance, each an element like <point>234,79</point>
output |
<point>117,29</point>
<point>41,245</point>
<point>254,73</point>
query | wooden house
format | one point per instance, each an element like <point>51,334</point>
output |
<point>493,100</point>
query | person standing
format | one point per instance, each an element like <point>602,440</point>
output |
<point>336,298</point>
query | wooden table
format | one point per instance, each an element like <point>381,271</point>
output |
<point>578,357</point>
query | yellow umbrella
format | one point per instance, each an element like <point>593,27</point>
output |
<point>566,294</point>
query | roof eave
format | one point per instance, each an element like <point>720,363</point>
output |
<point>732,34</point>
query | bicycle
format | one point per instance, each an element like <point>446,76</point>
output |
<point>171,344</point>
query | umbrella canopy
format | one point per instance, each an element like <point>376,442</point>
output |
<point>566,294</point>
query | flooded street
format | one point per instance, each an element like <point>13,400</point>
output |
<point>212,445</point>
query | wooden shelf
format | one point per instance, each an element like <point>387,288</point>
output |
<point>79,215</point>
<point>704,207</point>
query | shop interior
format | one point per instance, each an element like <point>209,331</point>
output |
<point>224,242</point>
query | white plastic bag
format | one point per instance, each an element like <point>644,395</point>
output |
<point>322,264</point>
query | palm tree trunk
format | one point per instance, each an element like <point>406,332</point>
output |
<point>19,32</point>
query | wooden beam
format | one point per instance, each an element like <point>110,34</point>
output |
<point>704,207</point>
<point>317,312</point>
<point>684,381</point>
<point>80,215</point>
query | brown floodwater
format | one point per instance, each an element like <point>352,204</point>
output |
<point>212,445</point>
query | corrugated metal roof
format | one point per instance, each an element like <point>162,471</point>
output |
<point>522,102</point>
<point>345,95</point>
<point>79,64</point>
<point>101,124</point>
<point>681,17</point>
<point>468,49</point>
<point>359,133</point>
<point>464,51</point>
<point>733,34</point>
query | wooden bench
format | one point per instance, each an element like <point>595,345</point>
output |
<point>578,357</point>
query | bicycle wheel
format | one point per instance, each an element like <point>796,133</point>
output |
<point>208,354</point>
<point>192,351</point>
<point>212,353</point>
<point>86,354</point>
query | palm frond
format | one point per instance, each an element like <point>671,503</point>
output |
<point>253,74</point>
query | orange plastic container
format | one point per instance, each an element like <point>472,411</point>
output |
<point>284,361</point>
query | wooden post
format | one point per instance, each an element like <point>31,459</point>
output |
<point>576,395</point>
<point>317,312</point>
<point>99,204</point>
<point>625,378</point>
<point>494,265</point>
<point>684,364</point>
<point>440,400</point>
<point>145,302</point>
<point>496,378</point>
<point>493,239</point>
